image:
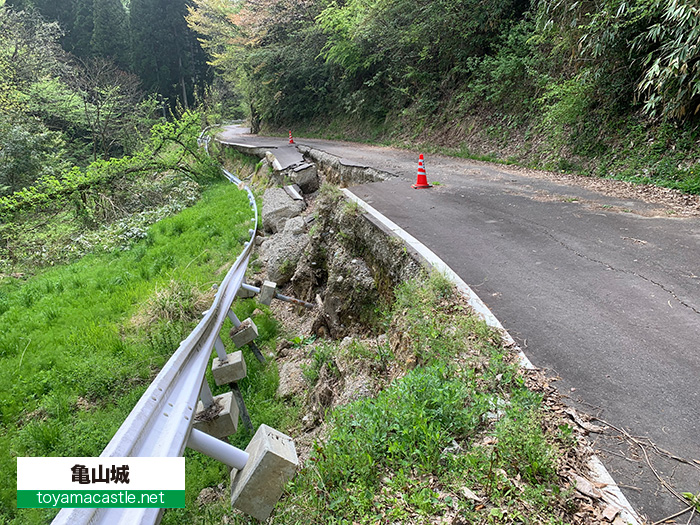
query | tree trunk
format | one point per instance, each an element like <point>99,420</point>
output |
<point>182,83</point>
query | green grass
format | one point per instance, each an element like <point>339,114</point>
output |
<point>385,459</point>
<point>80,343</point>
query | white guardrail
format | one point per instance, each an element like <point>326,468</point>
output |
<point>160,425</point>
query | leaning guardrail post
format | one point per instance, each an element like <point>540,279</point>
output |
<point>243,411</point>
<point>278,296</point>
<point>220,349</point>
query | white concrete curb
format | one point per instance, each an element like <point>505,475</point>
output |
<point>611,492</point>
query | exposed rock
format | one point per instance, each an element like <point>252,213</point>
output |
<point>282,252</point>
<point>323,395</point>
<point>282,348</point>
<point>277,208</point>
<point>351,293</point>
<point>292,381</point>
<point>295,226</point>
<point>310,421</point>
<point>306,178</point>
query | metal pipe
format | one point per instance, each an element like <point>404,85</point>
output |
<point>234,318</point>
<point>220,349</point>
<point>280,297</point>
<point>217,449</point>
<point>205,394</point>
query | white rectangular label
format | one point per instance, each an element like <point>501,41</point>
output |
<point>100,473</point>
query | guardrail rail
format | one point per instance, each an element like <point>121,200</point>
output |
<point>160,425</point>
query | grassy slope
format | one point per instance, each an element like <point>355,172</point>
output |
<point>73,361</point>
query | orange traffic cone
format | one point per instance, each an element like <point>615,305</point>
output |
<point>291,140</point>
<point>422,179</point>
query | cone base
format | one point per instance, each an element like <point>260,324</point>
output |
<point>417,186</point>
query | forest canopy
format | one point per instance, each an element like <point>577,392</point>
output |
<point>571,85</point>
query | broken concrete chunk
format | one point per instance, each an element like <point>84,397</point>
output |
<point>295,226</point>
<point>293,192</point>
<point>283,251</point>
<point>306,176</point>
<point>277,208</point>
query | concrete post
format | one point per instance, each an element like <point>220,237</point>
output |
<point>272,462</point>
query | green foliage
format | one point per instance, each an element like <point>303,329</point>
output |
<point>407,453</point>
<point>321,356</point>
<point>664,50</point>
<point>671,81</point>
<point>404,427</point>
<point>28,151</point>
<point>173,146</point>
<point>65,390</point>
<point>511,77</point>
<point>694,499</point>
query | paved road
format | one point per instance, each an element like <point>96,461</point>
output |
<point>601,291</point>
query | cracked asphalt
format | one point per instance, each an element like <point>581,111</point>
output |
<point>601,291</point>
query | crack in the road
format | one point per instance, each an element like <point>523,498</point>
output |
<point>629,272</point>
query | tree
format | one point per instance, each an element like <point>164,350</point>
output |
<point>28,151</point>
<point>110,32</point>
<point>269,51</point>
<point>166,54</point>
<point>109,95</point>
<point>29,51</point>
<point>29,55</point>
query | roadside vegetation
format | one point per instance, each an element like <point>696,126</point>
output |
<point>458,436</point>
<point>80,342</point>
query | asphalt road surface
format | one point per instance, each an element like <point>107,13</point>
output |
<point>603,292</point>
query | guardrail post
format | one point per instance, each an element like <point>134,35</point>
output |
<point>205,394</point>
<point>229,372</point>
<point>220,349</point>
<point>217,449</point>
<point>242,409</point>
<point>245,293</point>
